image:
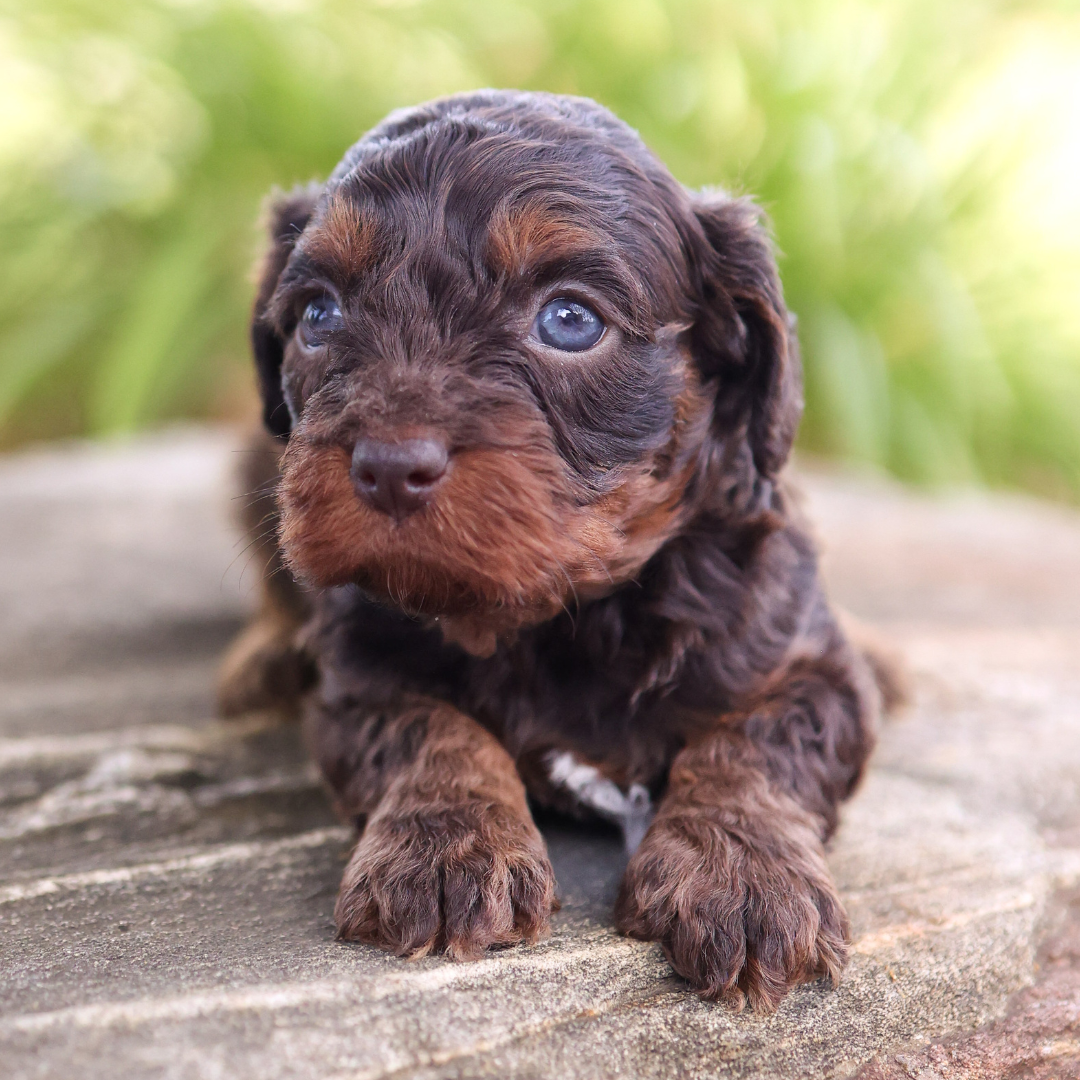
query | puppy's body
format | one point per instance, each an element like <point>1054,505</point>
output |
<point>554,562</point>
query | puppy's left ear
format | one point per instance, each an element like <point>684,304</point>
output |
<point>742,336</point>
<point>287,215</point>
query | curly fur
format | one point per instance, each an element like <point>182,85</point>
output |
<point>611,574</point>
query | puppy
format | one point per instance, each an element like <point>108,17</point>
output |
<point>533,399</point>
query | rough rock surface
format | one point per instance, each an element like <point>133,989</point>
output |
<point>167,881</point>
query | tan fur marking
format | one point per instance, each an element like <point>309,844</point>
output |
<point>523,237</point>
<point>343,239</point>
<point>490,545</point>
<point>503,546</point>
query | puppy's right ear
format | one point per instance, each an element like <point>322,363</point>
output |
<point>287,214</point>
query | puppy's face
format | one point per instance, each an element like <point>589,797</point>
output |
<point>506,364</point>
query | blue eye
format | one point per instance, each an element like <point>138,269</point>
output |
<point>320,318</point>
<point>569,325</point>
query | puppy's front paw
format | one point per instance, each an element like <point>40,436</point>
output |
<point>458,879</point>
<point>738,919</point>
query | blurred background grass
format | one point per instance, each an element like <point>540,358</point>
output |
<point>919,160</point>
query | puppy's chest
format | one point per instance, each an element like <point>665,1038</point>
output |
<point>553,700</point>
<point>581,744</point>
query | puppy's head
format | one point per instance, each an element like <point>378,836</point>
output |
<point>511,357</point>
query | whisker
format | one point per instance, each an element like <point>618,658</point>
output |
<point>252,543</point>
<point>268,489</point>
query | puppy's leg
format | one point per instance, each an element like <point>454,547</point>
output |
<point>449,858</point>
<point>731,877</point>
<point>264,668</point>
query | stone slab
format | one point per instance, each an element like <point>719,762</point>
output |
<point>167,880</point>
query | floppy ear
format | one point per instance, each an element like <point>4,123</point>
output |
<point>743,336</point>
<point>287,215</point>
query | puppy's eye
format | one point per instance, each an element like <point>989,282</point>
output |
<point>568,325</point>
<point>320,318</point>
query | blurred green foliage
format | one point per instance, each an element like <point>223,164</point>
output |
<point>917,158</point>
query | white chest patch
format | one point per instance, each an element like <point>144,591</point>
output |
<point>632,810</point>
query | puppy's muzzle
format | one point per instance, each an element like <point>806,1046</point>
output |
<point>398,478</point>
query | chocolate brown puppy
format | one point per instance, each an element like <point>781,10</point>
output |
<point>533,399</point>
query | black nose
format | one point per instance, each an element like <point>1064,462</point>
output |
<point>398,478</point>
